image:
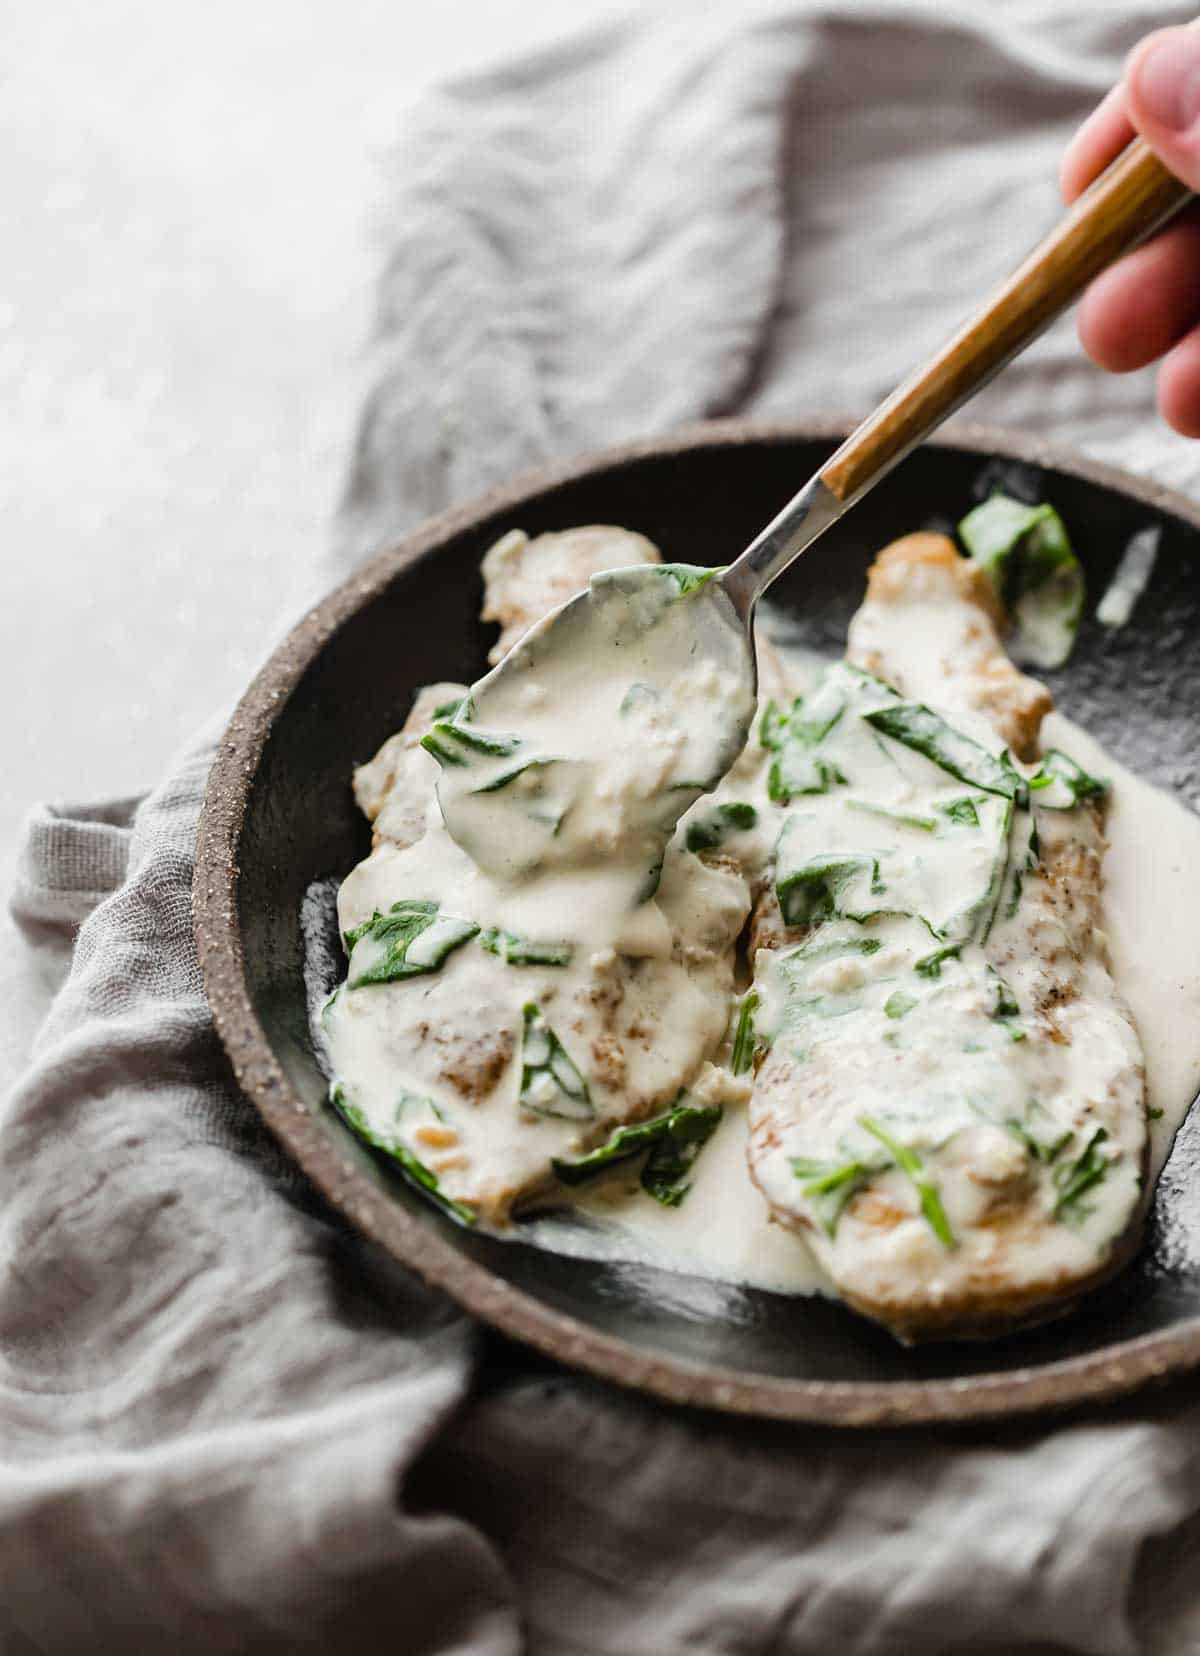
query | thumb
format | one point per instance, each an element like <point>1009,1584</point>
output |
<point>1162,83</point>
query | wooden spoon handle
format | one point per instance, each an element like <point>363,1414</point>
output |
<point>1125,204</point>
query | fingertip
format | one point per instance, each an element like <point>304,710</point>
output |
<point>1142,306</point>
<point>1103,329</point>
<point>1162,81</point>
<point>1179,386</point>
<point>1100,139</point>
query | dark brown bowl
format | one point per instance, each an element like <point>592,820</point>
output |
<point>279,815</point>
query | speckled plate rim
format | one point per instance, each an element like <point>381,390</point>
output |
<point>1100,1375</point>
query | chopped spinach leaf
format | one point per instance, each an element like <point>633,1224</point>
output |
<point>911,1165</point>
<point>689,578</point>
<point>420,914</point>
<point>673,1155</point>
<point>797,769</point>
<point>1005,1002</point>
<point>551,1085</point>
<point>814,716</point>
<point>1070,781</point>
<point>808,954</point>
<point>515,950</point>
<point>508,776</point>
<point>1005,1008</point>
<point>962,811</point>
<point>457,744</point>
<point>813,891</point>
<point>391,1145</point>
<point>744,1040</point>
<point>1028,558</point>
<point>674,1141</point>
<point>1020,863</point>
<point>829,1186</point>
<point>409,940</point>
<point>796,772</point>
<point>926,823</point>
<point>1034,1132</point>
<point>772,727</point>
<point>681,1120</point>
<point>899,1003</point>
<point>1073,1179</point>
<point>930,965</point>
<point>917,727</point>
<point>709,831</point>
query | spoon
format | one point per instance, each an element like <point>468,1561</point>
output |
<point>515,809</point>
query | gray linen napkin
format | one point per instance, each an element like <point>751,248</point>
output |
<point>224,1423</point>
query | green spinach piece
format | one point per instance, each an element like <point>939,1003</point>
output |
<point>918,727</point>
<point>930,965</point>
<point>796,772</point>
<point>926,823</point>
<point>911,1165</point>
<point>744,1038</point>
<point>515,950</point>
<point>772,727</point>
<point>1032,1131</point>
<point>829,1186</point>
<point>672,1157</point>
<point>551,1084</point>
<point>674,1141</point>
<point>812,892</point>
<point>409,940</point>
<point>797,768</point>
<point>899,1003</point>
<point>711,830</point>
<point>1005,1007</point>
<point>963,811</point>
<point>1075,1178</point>
<point>410,1165</point>
<point>689,578</point>
<point>460,744</point>
<point>1037,577</point>
<point>1059,772</point>
<point>508,776</point>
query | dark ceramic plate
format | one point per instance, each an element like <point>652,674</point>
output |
<point>279,816</point>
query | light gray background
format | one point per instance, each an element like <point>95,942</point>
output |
<point>192,198</point>
<point>189,193</point>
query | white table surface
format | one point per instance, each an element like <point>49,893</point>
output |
<point>189,192</point>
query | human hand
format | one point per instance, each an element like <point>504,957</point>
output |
<point>1147,305</point>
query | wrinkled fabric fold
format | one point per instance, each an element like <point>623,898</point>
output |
<point>225,1422</point>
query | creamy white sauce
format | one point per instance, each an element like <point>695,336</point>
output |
<point>577,886</point>
<point>723,1228</point>
<point>1150,907</point>
<point>1150,903</point>
<point>583,748</point>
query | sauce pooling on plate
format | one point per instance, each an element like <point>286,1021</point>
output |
<point>857,1030</point>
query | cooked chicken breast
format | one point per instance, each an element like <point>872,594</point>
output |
<point>949,1103</point>
<point>525,579</point>
<point>929,627</point>
<point>396,788</point>
<point>480,1046</point>
<point>948,1095</point>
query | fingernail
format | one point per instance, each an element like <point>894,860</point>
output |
<point>1168,80</point>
